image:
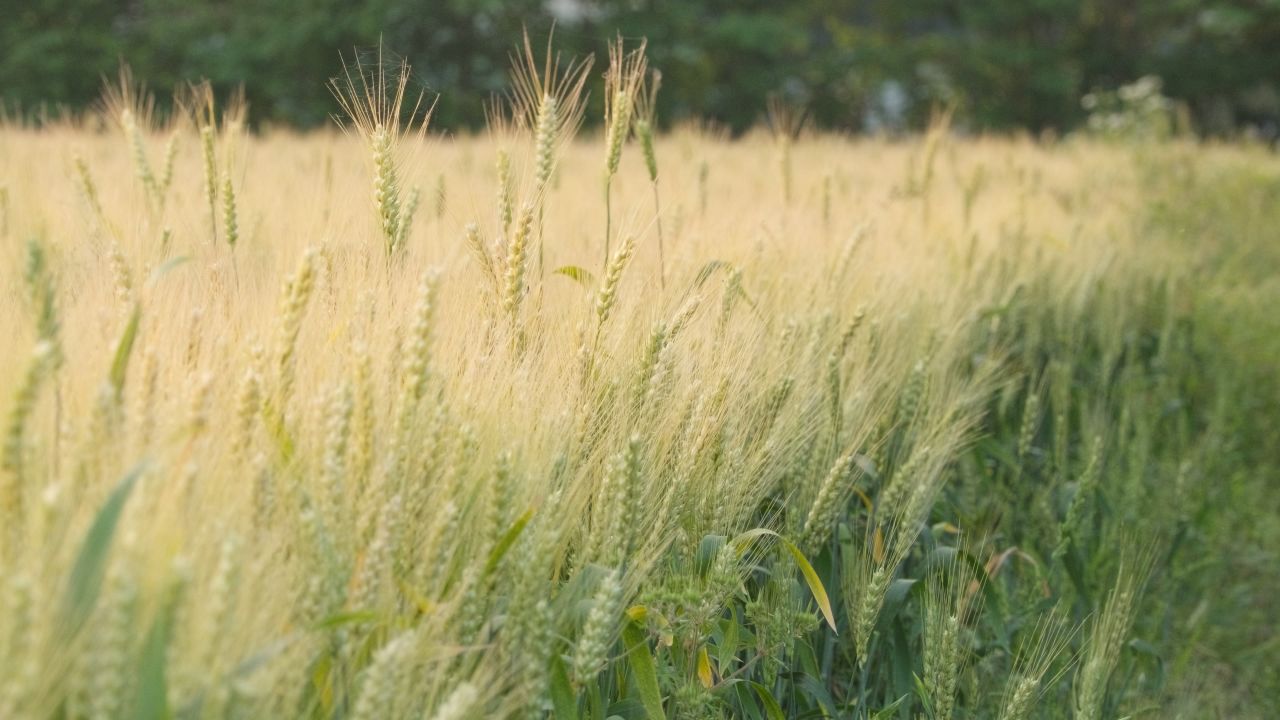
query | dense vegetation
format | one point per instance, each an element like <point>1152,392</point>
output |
<point>636,425</point>
<point>1006,65</point>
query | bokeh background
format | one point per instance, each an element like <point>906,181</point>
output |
<point>853,64</point>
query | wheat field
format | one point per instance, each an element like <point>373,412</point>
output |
<point>375,423</point>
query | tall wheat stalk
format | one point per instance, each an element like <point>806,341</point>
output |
<point>622,84</point>
<point>375,106</point>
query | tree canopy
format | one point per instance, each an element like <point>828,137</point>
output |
<point>853,64</point>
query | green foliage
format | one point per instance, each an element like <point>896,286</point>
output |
<point>1004,65</point>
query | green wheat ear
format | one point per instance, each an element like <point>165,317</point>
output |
<point>230,215</point>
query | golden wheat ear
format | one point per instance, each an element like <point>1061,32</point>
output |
<point>502,130</point>
<point>374,102</point>
<point>127,105</point>
<point>623,83</point>
<point>547,99</point>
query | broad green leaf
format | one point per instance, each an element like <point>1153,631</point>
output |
<point>771,706</point>
<point>153,685</point>
<point>562,695</point>
<point>707,551</point>
<point>644,669</point>
<point>902,663</point>
<point>819,694</point>
<point>728,647</point>
<point>745,700</point>
<point>895,596</point>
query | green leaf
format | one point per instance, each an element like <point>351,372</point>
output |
<point>1142,647</point>
<point>124,349</point>
<point>998,452</point>
<point>922,692</point>
<point>771,706</point>
<point>814,582</point>
<point>644,669</point>
<point>322,682</point>
<point>708,548</point>
<point>943,557</point>
<point>562,696</point>
<point>91,562</point>
<point>819,694</point>
<point>744,699</point>
<point>153,685</point>
<point>352,617</point>
<point>727,650</point>
<point>889,710</point>
<point>806,569</point>
<point>578,274</point>
<point>894,598</point>
<point>508,539</point>
<point>901,672</point>
<point>166,267</point>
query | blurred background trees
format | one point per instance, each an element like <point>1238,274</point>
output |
<point>854,64</point>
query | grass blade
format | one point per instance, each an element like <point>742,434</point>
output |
<point>91,563</point>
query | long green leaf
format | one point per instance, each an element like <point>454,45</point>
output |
<point>814,582</point>
<point>124,349</point>
<point>91,562</point>
<point>894,598</point>
<point>350,617</point>
<point>164,268</point>
<point>806,569</point>
<point>644,669</point>
<point>562,696</point>
<point>705,557</point>
<point>889,710</point>
<point>506,541</point>
<point>771,706</point>
<point>153,686</point>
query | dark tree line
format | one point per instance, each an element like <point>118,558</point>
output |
<point>853,64</point>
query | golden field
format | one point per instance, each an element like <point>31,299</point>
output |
<point>968,409</point>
